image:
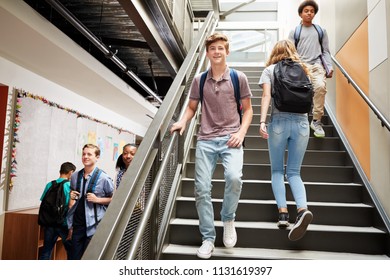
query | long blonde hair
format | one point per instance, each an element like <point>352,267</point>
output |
<point>285,49</point>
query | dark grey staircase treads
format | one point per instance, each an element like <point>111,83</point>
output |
<point>309,173</point>
<point>348,214</point>
<point>326,143</point>
<point>262,190</point>
<point>312,157</point>
<point>362,240</point>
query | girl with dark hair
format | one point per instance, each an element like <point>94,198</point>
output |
<point>124,160</point>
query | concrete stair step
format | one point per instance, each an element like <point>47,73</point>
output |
<point>266,235</point>
<point>325,213</point>
<point>309,173</point>
<point>183,252</point>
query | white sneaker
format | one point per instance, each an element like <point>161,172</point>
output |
<point>317,127</point>
<point>204,252</point>
<point>229,234</point>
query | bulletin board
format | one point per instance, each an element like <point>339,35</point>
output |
<point>46,135</point>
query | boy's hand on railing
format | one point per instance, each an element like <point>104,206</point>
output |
<point>180,126</point>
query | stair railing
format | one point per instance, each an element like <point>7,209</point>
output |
<point>135,221</point>
<point>384,122</point>
<point>375,110</point>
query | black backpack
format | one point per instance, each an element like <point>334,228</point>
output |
<point>292,90</point>
<point>53,208</point>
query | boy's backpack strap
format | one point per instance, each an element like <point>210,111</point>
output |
<point>236,86</point>
<point>92,183</point>
<point>91,187</point>
<point>201,85</point>
<point>79,178</point>
<point>297,34</point>
<point>320,35</point>
<point>298,30</point>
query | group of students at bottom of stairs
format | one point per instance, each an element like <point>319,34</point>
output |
<point>86,196</point>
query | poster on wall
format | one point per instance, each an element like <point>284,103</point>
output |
<point>45,136</point>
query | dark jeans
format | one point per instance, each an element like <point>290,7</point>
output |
<point>51,235</point>
<point>80,241</point>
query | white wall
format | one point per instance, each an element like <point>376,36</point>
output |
<point>16,76</point>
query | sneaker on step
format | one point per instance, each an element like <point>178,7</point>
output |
<point>317,127</point>
<point>204,251</point>
<point>303,220</point>
<point>283,220</point>
<point>229,234</point>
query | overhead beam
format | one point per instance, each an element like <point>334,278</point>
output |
<point>126,43</point>
<point>150,19</point>
<point>216,10</point>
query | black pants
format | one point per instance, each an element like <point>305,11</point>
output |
<point>80,241</point>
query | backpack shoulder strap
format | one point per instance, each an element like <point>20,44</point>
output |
<point>79,178</point>
<point>201,85</point>
<point>298,30</point>
<point>53,184</point>
<point>320,34</point>
<point>63,182</point>
<point>297,34</point>
<point>91,187</point>
<point>92,183</point>
<point>236,86</point>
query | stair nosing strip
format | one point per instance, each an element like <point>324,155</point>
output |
<point>277,254</point>
<point>273,202</point>
<point>272,225</point>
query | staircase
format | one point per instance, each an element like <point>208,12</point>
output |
<point>346,225</point>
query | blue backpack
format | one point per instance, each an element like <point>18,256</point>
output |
<point>236,86</point>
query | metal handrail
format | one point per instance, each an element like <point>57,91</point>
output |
<point>108,236</point>
<point>380,116</point>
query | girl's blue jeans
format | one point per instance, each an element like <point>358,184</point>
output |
<point>288,131</point>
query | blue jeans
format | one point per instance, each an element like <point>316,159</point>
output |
<point>207,154</point>
<point>291,131</point>
<point>51,235</point>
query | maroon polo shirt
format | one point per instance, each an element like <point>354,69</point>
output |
<point>219,108</point>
